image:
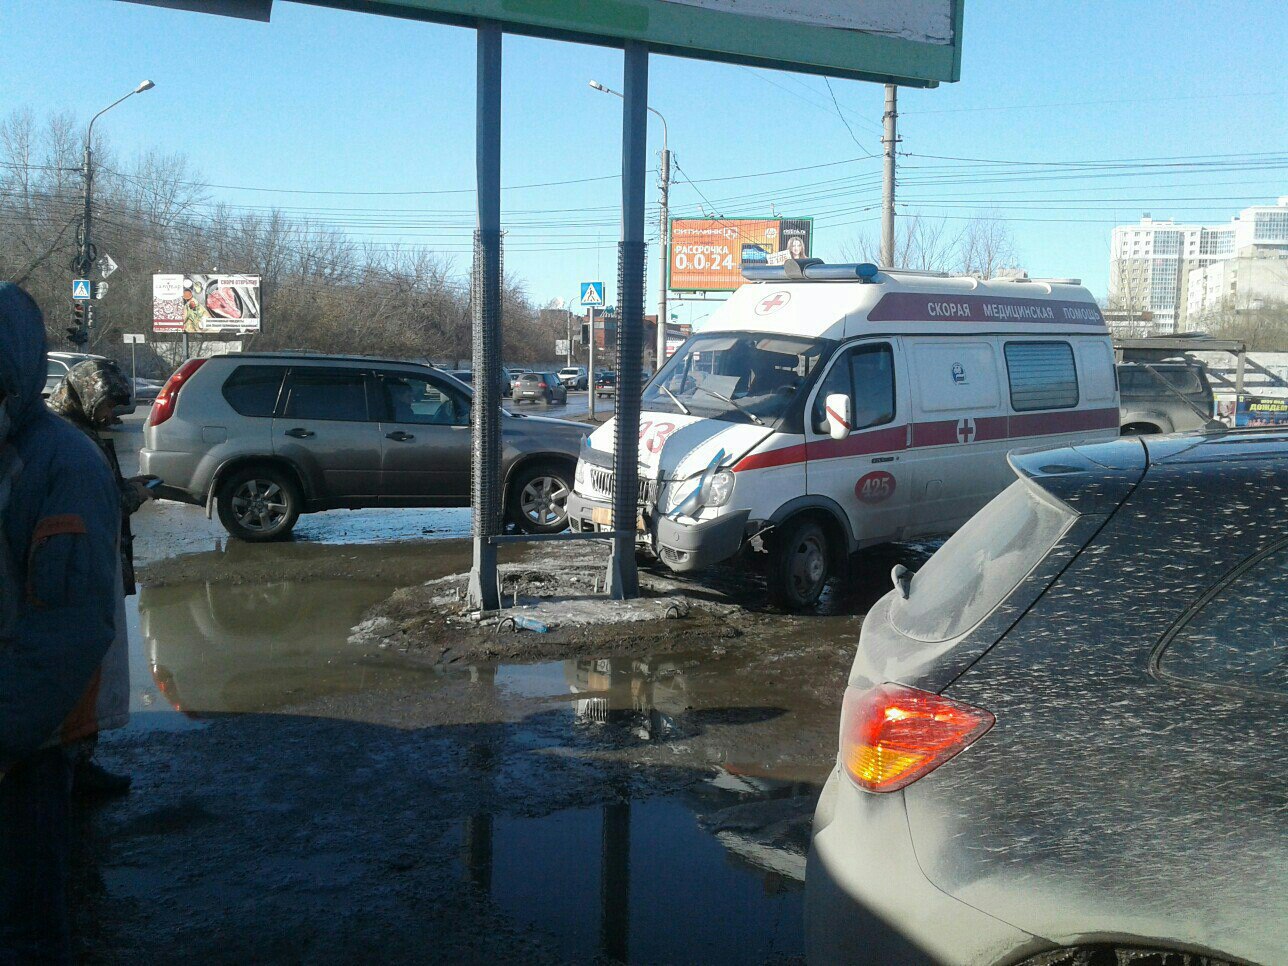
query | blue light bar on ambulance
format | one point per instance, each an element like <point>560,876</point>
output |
<point>811,270</point>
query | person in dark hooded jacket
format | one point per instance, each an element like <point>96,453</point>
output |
<point>60,584</point>
<point>87,398</point>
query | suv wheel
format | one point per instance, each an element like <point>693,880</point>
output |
<point>258,504</point>
<point>800,564</point>
<point>539,498</point>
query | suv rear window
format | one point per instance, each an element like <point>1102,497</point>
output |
<point>980,565</point>
<point>1042,375</point>
<point>1238,639</point>
<point>1142,379</point>
<point>336,394</point>
<point>253,390</point>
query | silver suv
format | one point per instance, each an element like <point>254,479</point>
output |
<point>265,437</point>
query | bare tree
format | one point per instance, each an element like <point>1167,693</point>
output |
<point>982,247</point>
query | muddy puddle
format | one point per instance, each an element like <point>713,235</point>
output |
<point>637,882</point>
<point>630,808</point>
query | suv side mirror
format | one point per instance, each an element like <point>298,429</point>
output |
<point>838,415</point>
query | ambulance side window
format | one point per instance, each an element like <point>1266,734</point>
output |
<point>836,380</point>
<point>865,373</point>
<point>872,367</point>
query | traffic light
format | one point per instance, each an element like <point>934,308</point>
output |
<point>78,332</point>
<point>585,333</point>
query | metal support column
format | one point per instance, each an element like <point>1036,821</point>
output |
<point>623,580</point>
<point>485,432</point>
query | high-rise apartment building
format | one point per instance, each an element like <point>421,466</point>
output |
<point>1150,261</point>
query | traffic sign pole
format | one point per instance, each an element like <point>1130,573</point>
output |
<point>590,362</point>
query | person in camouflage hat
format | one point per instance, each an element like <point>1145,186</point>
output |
<point>87,398</point>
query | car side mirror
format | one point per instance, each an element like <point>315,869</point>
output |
<point>901,577</point>
<point>838,415</point>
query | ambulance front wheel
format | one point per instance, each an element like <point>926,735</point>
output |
<point>800,563</point>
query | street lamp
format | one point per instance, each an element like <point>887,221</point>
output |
<point>86,259</point>
<point>663,228</point>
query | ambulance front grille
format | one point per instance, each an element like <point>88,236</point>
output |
<point>603,485</point>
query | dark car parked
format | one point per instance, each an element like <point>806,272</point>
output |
<point>269,436</point>
<point>1065,739</point>
<point>544,386</point>
<point>606,384</point>
<point>1164,397</point>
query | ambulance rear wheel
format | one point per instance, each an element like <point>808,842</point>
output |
<point>800,564</point>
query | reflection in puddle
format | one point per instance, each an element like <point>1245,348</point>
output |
<point>637,881</point>
<point>210,648</point>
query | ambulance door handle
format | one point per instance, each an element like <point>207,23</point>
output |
<point>908,438</point>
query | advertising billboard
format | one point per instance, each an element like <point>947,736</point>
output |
<point>915,43</point>
<point>206,304</point>
<point>709,254</point>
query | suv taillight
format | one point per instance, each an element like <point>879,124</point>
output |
<point>892,735</point>
<point>163,408</point>
<point>542,385</point>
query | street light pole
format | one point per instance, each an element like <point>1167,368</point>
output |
<point>663,232</point>
<point>85,260</point>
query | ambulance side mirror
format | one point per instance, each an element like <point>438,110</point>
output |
<point>838,415</point>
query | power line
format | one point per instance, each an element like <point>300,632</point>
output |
<point>1116,100</point>
<point>866,152</point>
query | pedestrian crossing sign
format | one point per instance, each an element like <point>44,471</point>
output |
<point>592,294</point>
<point>81,290</point>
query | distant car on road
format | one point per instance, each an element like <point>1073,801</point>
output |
<point>606,384</point>
<point>58,364</point>
<point>268,436</point>
<point>573,377</point>
<point>544,386</point>
<point>1164,397</point>
<point>1064,739</point>
<point>147,390</point>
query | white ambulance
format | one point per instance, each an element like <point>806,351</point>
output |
<point>828,408</point>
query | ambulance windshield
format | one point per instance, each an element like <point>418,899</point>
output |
<point>750,377</point>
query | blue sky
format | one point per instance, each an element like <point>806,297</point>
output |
<point>326,100</point>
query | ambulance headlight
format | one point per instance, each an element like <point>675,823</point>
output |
<point>718,488</point>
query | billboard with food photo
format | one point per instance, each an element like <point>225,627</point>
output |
<point>709,254</point>
<point>206,304</point>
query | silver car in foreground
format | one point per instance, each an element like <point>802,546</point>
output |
<point>265,437</point>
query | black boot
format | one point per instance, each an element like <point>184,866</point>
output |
<point>91,780</point>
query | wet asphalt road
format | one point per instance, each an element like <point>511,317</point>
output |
<point>300,798</point>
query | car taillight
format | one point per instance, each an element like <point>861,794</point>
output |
<point>541,385</point>
<point>163,408</point>
<point>892,735</point>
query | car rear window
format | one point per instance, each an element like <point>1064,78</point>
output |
<point>1142,379</point>
<point>1042,375</point>
<point>980,565</point>
<point>1237,639</point>
<point>252,390</point>
<point>336,394</point>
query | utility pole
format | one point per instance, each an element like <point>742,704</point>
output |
<point>664,231</point>
<point>888,141</point>
<point>85,259</point>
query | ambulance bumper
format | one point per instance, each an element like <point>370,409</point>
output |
<point>684,547</point>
